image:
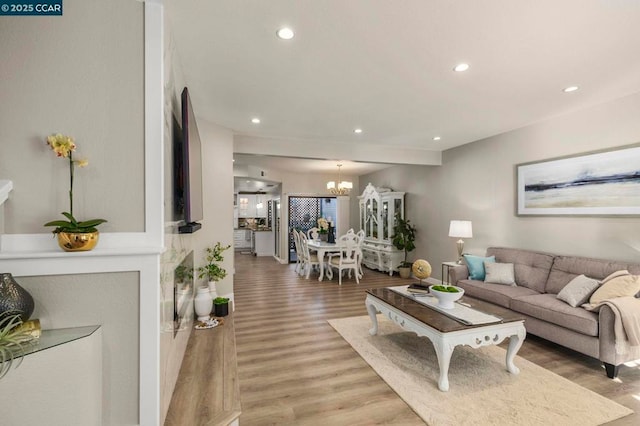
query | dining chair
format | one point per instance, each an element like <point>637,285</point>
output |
<point>313,233</point>
<point>299,254</point>
<point>360,236</point>
<point>346,258</point>
<point>310,260</point>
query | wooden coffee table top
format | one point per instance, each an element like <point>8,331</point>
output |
<point>435,319</point>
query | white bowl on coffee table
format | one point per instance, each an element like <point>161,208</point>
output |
<point>446,299</point>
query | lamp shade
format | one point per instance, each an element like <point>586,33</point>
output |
<point>460,229</point>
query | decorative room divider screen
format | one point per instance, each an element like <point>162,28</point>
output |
<point>304,212</point>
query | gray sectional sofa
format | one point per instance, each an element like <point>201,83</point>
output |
<point>539,278</point>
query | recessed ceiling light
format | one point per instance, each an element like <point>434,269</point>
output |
<point>461,67</point>
<point>255,120</point>
<point>357,131</point>
<point>436,138</point>
<point>570,89</point>
<point>285,33</point>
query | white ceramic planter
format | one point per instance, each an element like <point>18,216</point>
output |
<point>203,303</point>
<point>445,299</point>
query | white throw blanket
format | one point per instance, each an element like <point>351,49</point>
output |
<point>626,324</point>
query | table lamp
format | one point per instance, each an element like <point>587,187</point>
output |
<point>460,229</point>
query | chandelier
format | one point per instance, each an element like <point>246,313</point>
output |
<point>342,188</point>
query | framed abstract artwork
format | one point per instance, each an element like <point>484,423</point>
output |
<point>597,183</point>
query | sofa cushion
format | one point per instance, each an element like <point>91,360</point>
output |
<point>566,268</point>
<point>476,265</point>
<point>531,268</point>
<point>497,294</point>
<point>578,290</point>
<point>499,273</point>
<point>548,307</point>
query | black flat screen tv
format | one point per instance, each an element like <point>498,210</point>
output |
<point>188,173</point>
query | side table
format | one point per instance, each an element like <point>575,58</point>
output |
<point>448,266</point>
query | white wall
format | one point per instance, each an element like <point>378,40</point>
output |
<point>217,225</point>
<point>477,182</point>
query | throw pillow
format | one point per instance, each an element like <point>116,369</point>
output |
<point>620,286</point>
<point>475,264</point>
<point>500,273</point>
<point>578,290</point>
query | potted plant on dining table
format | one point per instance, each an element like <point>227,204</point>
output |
<point>323,229</point>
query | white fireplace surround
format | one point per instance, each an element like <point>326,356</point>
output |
<point>38,254</point>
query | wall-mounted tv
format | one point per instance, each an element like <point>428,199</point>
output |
<point>188,169</point>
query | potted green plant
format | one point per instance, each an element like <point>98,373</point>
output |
<point>211,269</point>
<point>12,339</point>
<point>221,306</point>
<point>404,237</point>
<point>73,235</point>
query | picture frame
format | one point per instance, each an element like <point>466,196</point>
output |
<point>596,183</point>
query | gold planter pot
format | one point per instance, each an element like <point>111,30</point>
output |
<point>78,241</point>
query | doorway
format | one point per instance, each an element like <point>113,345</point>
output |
<point>304,212</point>
<point>276,227</point>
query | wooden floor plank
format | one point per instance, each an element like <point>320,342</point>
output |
<point>295,369</point>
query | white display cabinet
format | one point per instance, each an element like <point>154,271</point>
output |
<point>379,208</point>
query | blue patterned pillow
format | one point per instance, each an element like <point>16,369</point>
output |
<point>475,264</point>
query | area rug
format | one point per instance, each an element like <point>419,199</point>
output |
<point>481,391</point>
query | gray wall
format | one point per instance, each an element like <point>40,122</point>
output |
<point>111,301</point>
<point>477,182</point>
<point>79,74</point>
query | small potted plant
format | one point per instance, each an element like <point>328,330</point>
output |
<point>73,235</point>
<point>404,237</point>
<point>221,306</point>
<point>211,270</point>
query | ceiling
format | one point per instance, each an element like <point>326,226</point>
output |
<point>387,66</point>
<point>295,165</point>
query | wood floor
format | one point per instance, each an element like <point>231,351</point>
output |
<point>295,369</point>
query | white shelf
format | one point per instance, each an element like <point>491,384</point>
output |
<point>17,246</point>
<point>97,252</point>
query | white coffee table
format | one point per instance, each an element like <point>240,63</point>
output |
<point>446,333</point>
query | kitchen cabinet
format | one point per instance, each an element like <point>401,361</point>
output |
<point>261,205</point>
<point>263,241</point>
<point>242,239</point>
<point>248,205</point>
<point>379,209</point>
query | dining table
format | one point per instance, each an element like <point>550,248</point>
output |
<point>322,248</point>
